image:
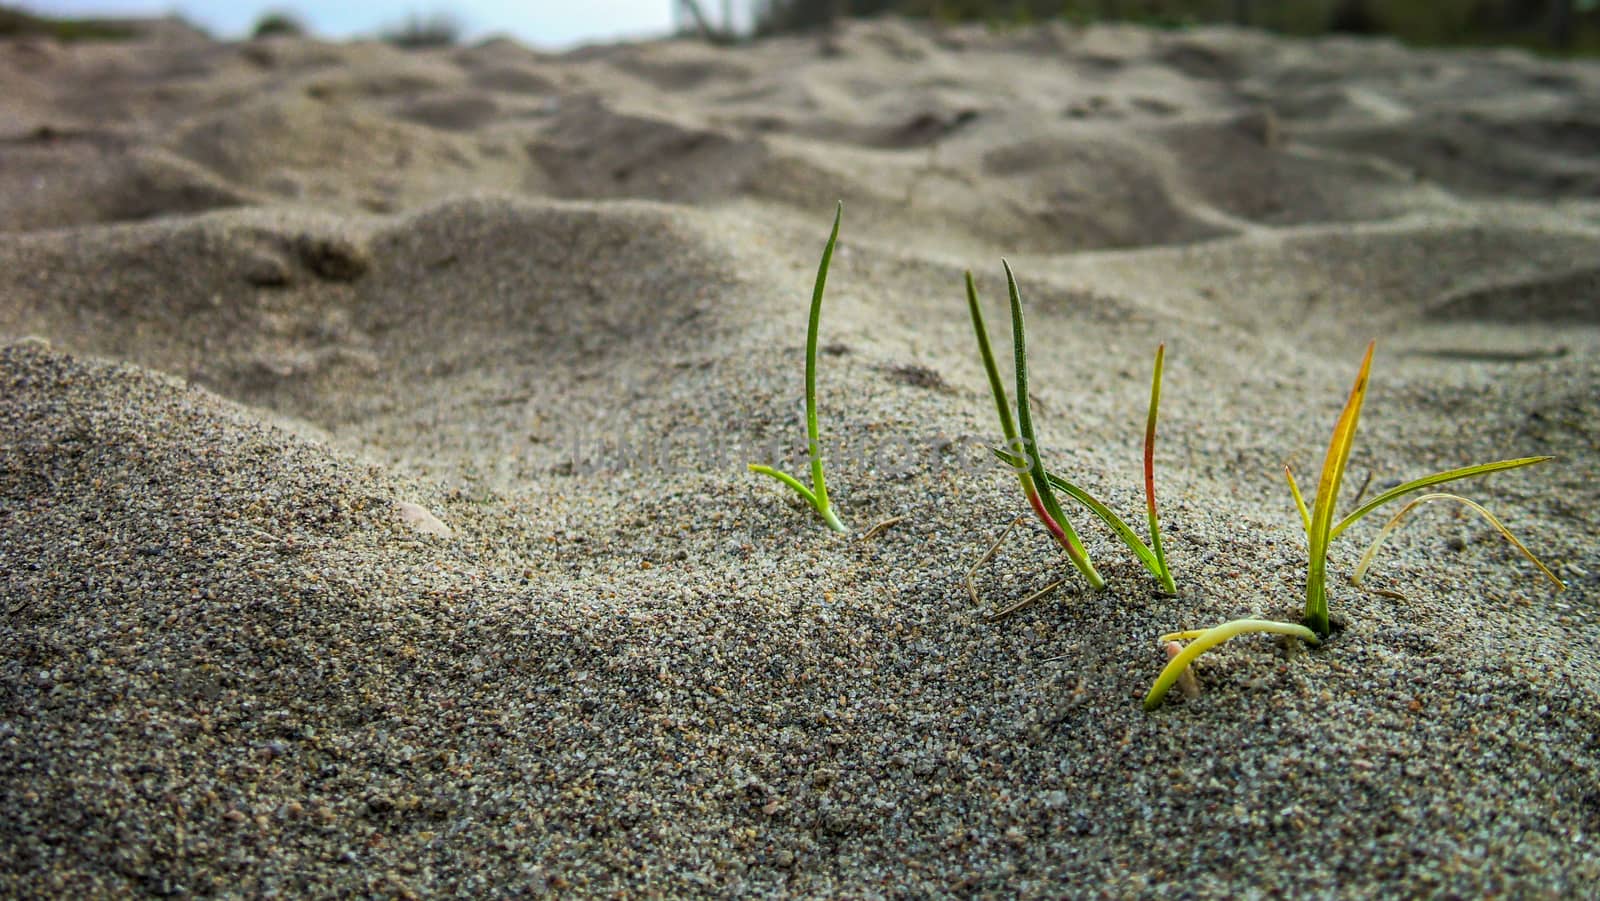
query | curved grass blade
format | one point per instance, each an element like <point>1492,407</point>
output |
<point>1333,466</point>
<point>817,495</point>
<point>1210,638</point>
<point>1465,472</point>
<point>786,479</point>
<point>1392,524</point>
<point>1044,501</point>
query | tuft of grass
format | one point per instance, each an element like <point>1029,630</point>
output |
<point>1321,529</point>
<point>1021,448</point>
<point>1038,484</point>
<point>1319,520</point>
<point>817,493</point>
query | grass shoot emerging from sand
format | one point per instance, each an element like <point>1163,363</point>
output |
<point>817,493</point>
<point>1319,519</point>
<point>1039,485</point>
<point>1321,529</point>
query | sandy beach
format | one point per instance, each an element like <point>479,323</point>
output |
<point>375,517</point>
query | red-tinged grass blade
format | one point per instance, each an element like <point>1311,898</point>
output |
<point>1210,638</point>
<point>1391,525</point>
<point>1465,472</point>
<point>1322,510</point>
<point>1161,571</point>
<point>1299,499</point>
<point>1020,455</point>
<point>1044,501</point>
<point>1096,506</point>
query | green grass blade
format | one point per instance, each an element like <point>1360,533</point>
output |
<point>1465,472</point>
<point>1392,524</point>
<point>996,387</point>
<point>1021,458</point>
<point>817,493</point>
<point>1322,510</point>
<point>1209,639</point>
<point>1045,503</point>
<point>1163,574</point>
<point>1299,499</point>
<point>819,486</point>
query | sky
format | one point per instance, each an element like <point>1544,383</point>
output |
<point>548,24</point>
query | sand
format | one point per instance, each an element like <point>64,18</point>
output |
<point>374,513</point>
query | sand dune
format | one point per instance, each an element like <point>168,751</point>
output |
<point>374,512</point>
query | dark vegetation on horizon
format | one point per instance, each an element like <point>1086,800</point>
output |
<point>437,29</point>
<point>15,23</point>
<point>1560,25</point>
<point>278,22</point>
<point>1570,26</point>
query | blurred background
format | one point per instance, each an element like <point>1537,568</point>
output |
<point>1555,26</point>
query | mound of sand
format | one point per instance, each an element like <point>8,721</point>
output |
<point>374,512</point>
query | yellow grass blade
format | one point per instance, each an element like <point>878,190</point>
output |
<point>1299,499</point>
<point>1391,525</point>
<point>1322,510</point>
<point>1438,478</point>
